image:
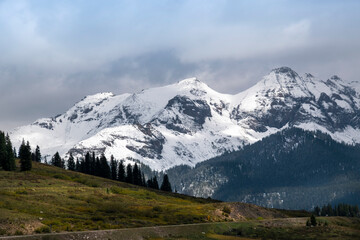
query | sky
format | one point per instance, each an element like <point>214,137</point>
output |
<point>53,53</point>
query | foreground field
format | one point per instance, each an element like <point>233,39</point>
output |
<point>285,228</point>
<point>49,199</point>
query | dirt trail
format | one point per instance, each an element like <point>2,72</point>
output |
<point>143,232</point>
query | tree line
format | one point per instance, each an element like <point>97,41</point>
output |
<point>116,170</point>
<point>8,154</point>
<point>90,164</point>
<point>341,209</point>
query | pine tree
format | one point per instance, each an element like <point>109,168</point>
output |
<point>143,183</point>
<point>166,186</point>
<point>3,153</point>
<point>77,165</point>
<point>10,159</point>
<point>15,155</point>
<point>87,163</point>
<point>25,156</point>
<point>155,183</point>
<point>313,220</point>
<point>56,160</point>
<point>105,168</point>
<point>93,168</point>
<point>136,175</point>
<point>97,167</point>
<point>129,174</point>
<point>37,154</point>
<point>121,171</point>
<point>71,163</point>
<point>113,167</point>
<point>317,211</point>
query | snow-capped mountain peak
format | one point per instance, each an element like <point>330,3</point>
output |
<point>188,122</point>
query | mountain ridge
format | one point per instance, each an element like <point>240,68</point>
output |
<point>188,122</point>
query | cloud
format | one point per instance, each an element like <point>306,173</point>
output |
<point>55,52</point>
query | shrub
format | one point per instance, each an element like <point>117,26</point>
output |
<point>21,191</point>
<point>157,209</point>
<point>313,220</point>
<point>62,176</point>
<point>18,232</point>
<point>43,229</point>
<point>97,218</point>
<point>226,209</point>
<point>2,231</point>
<point>116,190</point>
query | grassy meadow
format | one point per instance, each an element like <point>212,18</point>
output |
<point>53,199</point>
<point>48,200</point>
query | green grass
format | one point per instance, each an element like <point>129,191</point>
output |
<point>282,229</point>
<point>49,199</point>
<point>63,200</point>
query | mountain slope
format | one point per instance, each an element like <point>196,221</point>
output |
<point>50,197</point>
<point>188,122</point>
<point>293,169</point>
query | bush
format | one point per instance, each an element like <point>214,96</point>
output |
<point>313,220</point>
<point>43,229</point>
<point>18,232</point>
<point>226,209</point>
<point>157,209</point>
<point>2,231</point>
<point>62,177</point>
<point>116,190</point>
<point>97,218</point>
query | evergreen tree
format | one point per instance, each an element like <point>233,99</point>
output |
<point>317,211</point>
<point>71,163</point>
<point>143,183</point>
<point>37,154</point>
<point>113,167</point>
<point>77,165</point>
<point>129,174</point>
<point>121,171</point>
<point>10,159</point>
<point>97,167</point>
<point>56,160</point>
<point>105,168</point>
<point>93,168</point>
<point>25,156</point>
<point>87,163</point>
<point>155,183</point>
<point>166,186</point>
<point>15,155</point>
<point>3,153</point>
<point>313,220</point>
<point>33,157</point>
<point>323,210</point>
<point>136,175</point>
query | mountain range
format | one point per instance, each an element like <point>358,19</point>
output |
<point>188,123</point>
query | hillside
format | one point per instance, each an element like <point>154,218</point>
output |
<point>49,197</point>
<point>293,169</point>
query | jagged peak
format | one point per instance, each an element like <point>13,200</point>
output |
<point>308,75</point>
<point>285,71</point>
<point>335,78</point>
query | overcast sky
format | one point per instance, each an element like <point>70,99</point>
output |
<point>53,53</point>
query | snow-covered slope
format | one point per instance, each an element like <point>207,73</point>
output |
<point>188,122</point>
